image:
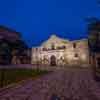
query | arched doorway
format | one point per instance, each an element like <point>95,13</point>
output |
<point>53,60</point>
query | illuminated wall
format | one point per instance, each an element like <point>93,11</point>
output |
<point>66,52</point>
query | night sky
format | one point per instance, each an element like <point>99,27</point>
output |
<point>36,20</point>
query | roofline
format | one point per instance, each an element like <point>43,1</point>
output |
<point>67,40</point>
<point>83,39</point>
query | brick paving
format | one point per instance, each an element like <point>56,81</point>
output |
<point>62,84</point>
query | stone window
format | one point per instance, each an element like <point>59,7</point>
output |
<point>63,47</point>
<point>36,49</point>
<point>44,49</point>
<point>61,58</point>
<point>52,46</point>
<point>76,55</point>
<point>74,45</point>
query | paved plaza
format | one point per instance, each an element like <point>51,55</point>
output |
<point>61,84</point>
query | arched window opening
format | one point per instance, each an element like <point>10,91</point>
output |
<point>53,47</point>
<point>76,55</point>
<point>74,45</point>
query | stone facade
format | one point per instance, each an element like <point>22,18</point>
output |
<point>57,51</point>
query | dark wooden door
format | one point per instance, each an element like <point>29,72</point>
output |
<point>53,60</point>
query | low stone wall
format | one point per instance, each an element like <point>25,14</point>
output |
<point>31,66</point>
<point>41,67</point>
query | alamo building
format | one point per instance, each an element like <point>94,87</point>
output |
<point>58,51</point>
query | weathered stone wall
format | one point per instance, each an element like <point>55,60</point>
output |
<point>63,50</point>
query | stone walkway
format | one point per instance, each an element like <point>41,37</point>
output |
<point>62,84</point>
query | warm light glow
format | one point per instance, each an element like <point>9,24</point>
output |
<point>70,56</point>
<point>84,57</point>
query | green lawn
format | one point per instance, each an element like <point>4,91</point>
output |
<point>9,76</point>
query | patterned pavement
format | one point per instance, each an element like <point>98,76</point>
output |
<point>61,84</point>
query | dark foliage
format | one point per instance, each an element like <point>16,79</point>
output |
<point>94,34</point>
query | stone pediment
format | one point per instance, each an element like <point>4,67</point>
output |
<point>55,40</point>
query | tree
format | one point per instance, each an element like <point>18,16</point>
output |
<point>5,55</point>
<point>94,40</point>
<point>5,58</point>
<point>19,49</point>
<point>94,34</point>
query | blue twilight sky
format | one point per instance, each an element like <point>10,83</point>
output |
<point>38,19</point>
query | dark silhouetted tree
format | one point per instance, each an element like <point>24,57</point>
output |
<point>94,34</point>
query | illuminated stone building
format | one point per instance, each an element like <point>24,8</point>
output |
<point>57,51</point>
